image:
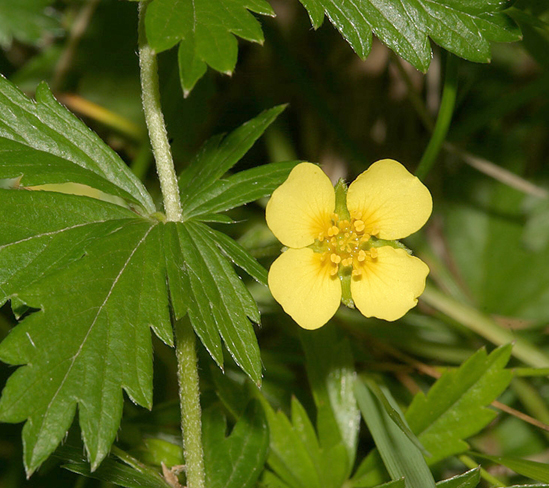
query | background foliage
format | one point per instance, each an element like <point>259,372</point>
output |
<point>425,386</point>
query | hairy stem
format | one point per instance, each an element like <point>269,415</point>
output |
<point>154,118</point>
<point>189,398</point>
<point>444,118</point>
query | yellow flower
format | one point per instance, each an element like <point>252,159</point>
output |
<point>342,244</point>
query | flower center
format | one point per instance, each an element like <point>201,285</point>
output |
<point>345,244</point>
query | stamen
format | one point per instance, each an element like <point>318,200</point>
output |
<point>335,258</point>
<point>359,225</point>
<point>356,272</point>
<point>373,253</point>
<point>361,256</point>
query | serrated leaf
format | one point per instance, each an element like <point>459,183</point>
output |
<point>95,273</point>
<point>470,479</point>
<point>206,30</point>
<point>44,143</point>
<point>238,255</point>
<point>455,406</point>
<point>220,154</point>
<point>238,189</point>
<point>331,374</point>
<point>26,21</point>
<point>222,305</point>
<point>289,456</point>
<point>400,456</point>
<point>110,471</point>
<point>463,28</point>
<point>531,469</point>
<point>235,461</point>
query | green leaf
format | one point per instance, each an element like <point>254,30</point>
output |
<point>455,406</point>
<point>331,373</point>
<point>235,461</point>
<point>401,457</point>
<point>401,483</point>
<point>222,304</point>
<point>490,224</point>
<point>111,470</point>
<point>463,28</point>
<point>44,143</point>
<point>220,154</point>
<point>95,273</point>
<point>239,189</point>
<point>531,469</point>
<point>470,479</point>
<point>290,450</point>
<point>206,30</point>
<point>238,255</point>
<point>26,21</point>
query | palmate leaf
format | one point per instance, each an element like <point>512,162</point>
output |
<point>95,271</point>
<point>206,32</point>
<point>456,406</point>
<point>95,277</point>
<point>463,28</point>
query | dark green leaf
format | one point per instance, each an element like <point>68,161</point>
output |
<point>220,154</point>
<point>239,189</point>
<point>26,21</point>
<point>206,30</point>
<point>331,374</point>
<point>235,461</point>
<point>95,273</point>
<point>43,142</point>
<point>463,28</point>
<point>238,255</point>
<point>455,407</point>
<point>531,469</point>
<point>222,304</point>
<point>470,479</point>
<point>401,457</point>
<point>111,470</point>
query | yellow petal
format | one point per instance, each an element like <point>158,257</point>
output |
<point>390,201</point>
<point>302,284</point>
<point>389,285</point>
<point>301,208</point>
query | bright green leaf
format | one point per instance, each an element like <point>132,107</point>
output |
<point>532,469</point>
<point>43,142</point>
<point>289,456</point>
<point>463,28</point>
<point>401,483</point>
<point>331,374</point>
<point>470,479</point>
<point>401,457</point>
<point>235,461</point>
<point>95,273</point>
<point>206,31</point>
<point>455,406</point>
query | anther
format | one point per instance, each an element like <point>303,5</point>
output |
<point>356,272</point>
<point>361,256</point>
<point>358,225</point>
<point>373,253</point>
<point>335,258</point>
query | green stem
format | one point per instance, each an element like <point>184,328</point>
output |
<point>189,398</point>
<point>485,326</point>
<point>472,464</point>
<point>444,118</point>
<point>154,118</point>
